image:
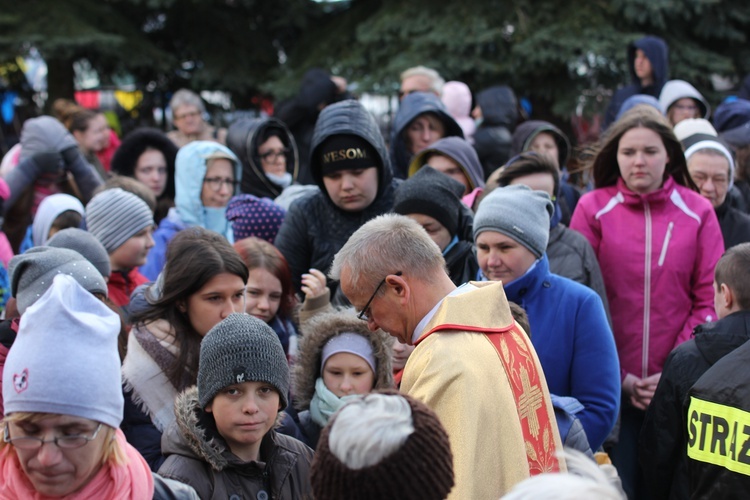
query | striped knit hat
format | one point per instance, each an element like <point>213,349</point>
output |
<point>354,464</point>
<point>114,216</point>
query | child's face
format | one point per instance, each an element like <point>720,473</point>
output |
<point>244,413</point>
<point>133,252</point>
<point>263,294</point>
<point>346,373</point>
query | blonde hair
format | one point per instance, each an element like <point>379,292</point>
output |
<point>113,452</point>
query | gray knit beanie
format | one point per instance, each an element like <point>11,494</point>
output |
<point>241,348</point>
<point>31,273</point>
<point>519,213</point>
<point>86,244</point>
<point>64,359</point>
<point>114,216</point>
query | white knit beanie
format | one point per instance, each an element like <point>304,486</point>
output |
<point>65,359</point>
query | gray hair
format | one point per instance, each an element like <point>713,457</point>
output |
<point>436,81</point>
<point>388,420</point>
<point>585,480</point>
<point>185,97</point>
<point>386,245</point>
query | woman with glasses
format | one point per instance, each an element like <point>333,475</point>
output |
<point>187,117</point>
<point>63,406</point>
<point>268,154</point>
<point>202,283</point>
<point>680,100</point>
<point>206,177</point>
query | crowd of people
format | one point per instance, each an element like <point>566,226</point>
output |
<point>299,307</point>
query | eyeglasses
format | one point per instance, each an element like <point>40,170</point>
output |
<point>189,114</point>
<point>686,107</point>
<point>215,183</point>
<point>274,155</point>
<point>364,315</point>
<point>34,443</point>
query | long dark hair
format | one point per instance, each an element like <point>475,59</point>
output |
<point>603,159</point>
<point>194,257</point>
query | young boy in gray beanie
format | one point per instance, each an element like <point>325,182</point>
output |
<point>223,441</point>
<point>124,224</point>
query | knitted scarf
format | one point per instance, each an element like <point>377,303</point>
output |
<point>324,403</point>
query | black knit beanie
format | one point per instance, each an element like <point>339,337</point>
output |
<point>346,152</point>
<point>432,193</point>
<point>421,469</point>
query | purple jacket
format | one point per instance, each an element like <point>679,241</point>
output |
<point>657,253</point>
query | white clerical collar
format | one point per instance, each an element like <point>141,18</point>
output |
<point>466,287</point>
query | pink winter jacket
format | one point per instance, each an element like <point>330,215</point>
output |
<point>657,253</point>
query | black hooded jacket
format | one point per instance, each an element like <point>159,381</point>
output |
<point>493,137</point>
<point>413,105</point>
<point>662,440</point>
<point>243,139</point>
<point>315,228</point>
<point>657,52</point>
<point>522,138</point>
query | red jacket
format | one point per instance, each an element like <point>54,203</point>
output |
<point>657,253</point>
<point>121,285</point>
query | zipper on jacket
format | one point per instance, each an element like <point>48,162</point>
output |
<point>646,291</point>
<point>664,247</point>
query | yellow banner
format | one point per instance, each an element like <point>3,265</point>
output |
<point>719,435</point>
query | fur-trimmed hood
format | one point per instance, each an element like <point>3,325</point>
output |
<point>320,329</point>
<point>188,435</point>
<point>194,433</point>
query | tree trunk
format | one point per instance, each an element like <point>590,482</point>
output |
<point>59,80</point>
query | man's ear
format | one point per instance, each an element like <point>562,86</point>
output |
<point>399,285</point>
<point>727,296</point>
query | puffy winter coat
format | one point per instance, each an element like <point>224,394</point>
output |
<point>197,455</point>
<point>657,253</point>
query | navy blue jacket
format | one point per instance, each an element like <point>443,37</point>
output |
<point>658,54</point>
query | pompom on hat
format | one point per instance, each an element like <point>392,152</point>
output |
<point>420,467</point>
